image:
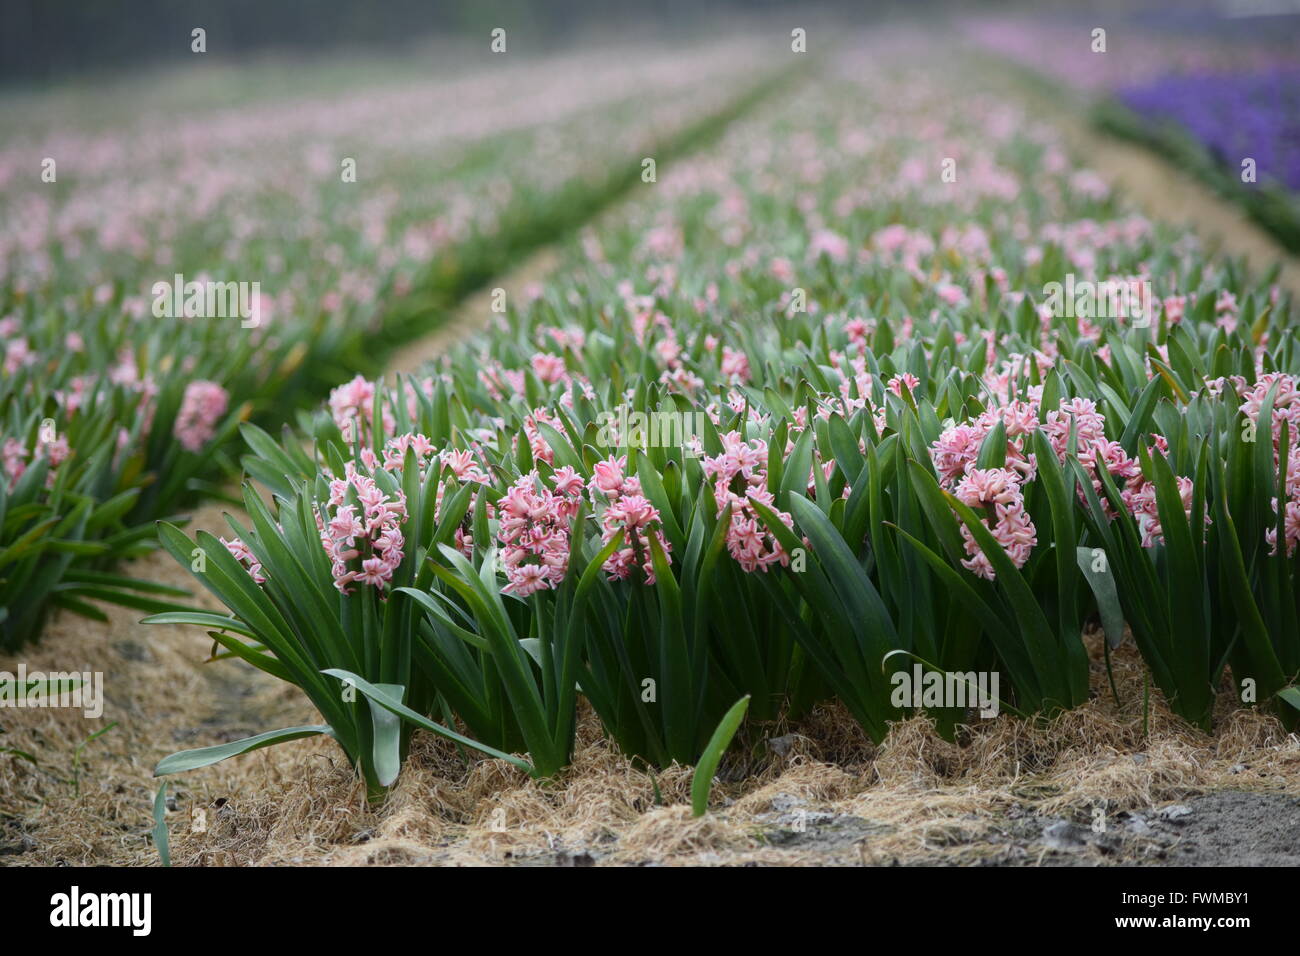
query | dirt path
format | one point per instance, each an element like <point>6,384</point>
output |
<point>474,313</point>
<point>159,699</point>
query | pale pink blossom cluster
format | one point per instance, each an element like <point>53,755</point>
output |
<point>463,466</point>
<point>958,447</point>
<point>645,317</point>
<point>464,469</point>
<point>549,368</point>
<point>855,378</point>
<point>669,350</point>
<point>352,407</point>
<point>629,516</point>
<point>735,365</point>
<point>900,382</point>
<point>534,530</point>
<point>858,329</point>
<point>201,408</point>
<point>1286,411</point>
<point>1286,405</point>
<point>56,449</point>
<point>395,450</point>
<point>541,449</point>
<point>739,477</point>
<point>997,493</point>
<point>832,244</point>
<point>1140,499</point>
<point>683,380</point>
<point>1175,308</point>
<point>17,354</point>
<point>1291,518</point>
<point>653,330</point>
<point>500,381</point>
<point>568,337</point>
<point>240,552</point>
<point>126,374</point>
<point>1225,311</point>
<point>80,389</point>
<point>950,294</point>
<point>899,244</point>
<point>361,530</point>
<point>1093,449</point>
<point>1095,452</point>
<point>14,459</point>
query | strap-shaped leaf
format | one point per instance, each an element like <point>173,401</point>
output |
<point>386,700</point>
<point>206,756</point>
<point>160,836</point>
<point>1102,583</point>
<point>387,732</point>
<point>702,779</point>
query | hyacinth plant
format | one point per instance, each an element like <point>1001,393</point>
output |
<point>313,594</point>
<point>574,561</point>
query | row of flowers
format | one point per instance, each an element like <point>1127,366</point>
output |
<point>338,263</point>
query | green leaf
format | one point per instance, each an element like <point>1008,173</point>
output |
<point>798,469</point>
<point>426,601</point>
<point>1103,589</point>
<point>160,837</point>
<point>385,700</point>
<point>652,487</point>
<point>253,654</point>
<point>702,780</point>
<point>388,736</point>
<point>851,583</point>
<point>202,619</point>
<point>266,448</point>
<point>206,756</point>
<point>1141,414</point>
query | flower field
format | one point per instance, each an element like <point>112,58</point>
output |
<point>870,398</point>
<point>114,419</point>
<point>902,455</point>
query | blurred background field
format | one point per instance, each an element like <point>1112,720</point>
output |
<point>229,177</point>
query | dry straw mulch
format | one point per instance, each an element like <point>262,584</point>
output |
<point>914,798</point>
